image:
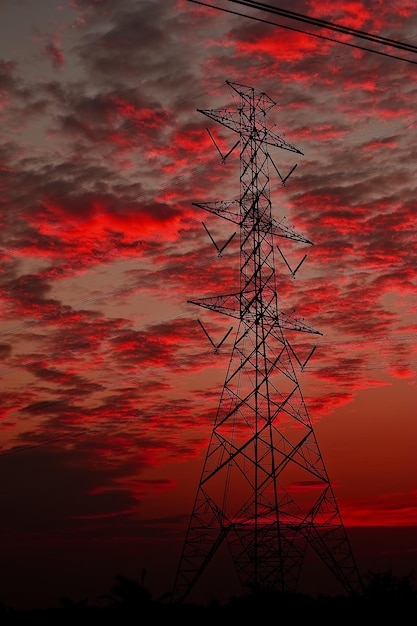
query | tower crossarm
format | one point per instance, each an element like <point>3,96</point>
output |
<point>231,211</point>
<point>231,119</point>
<point>260,133</point>
<point>288,322</point>
<point>230,305</point>
<point>228,209</point>
<point>227,305</point>
<point>281,230</point>
<point>273,139</point>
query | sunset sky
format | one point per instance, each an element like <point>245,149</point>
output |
<point>109,386</point>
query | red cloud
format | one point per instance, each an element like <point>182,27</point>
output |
<point>56,55</point>
<point>294,46</point>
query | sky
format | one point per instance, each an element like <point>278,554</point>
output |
<point>109,386</point>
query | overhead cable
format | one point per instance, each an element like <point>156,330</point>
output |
<point>324,24</point>
<point>304,32</point>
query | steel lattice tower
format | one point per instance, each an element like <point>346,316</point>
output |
<point>263,487</point>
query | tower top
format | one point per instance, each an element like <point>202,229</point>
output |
<point>248,118</point>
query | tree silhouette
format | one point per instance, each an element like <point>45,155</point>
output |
<point>387,588</point>
<point>128,595</point>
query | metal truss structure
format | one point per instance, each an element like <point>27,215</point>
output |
<point>264,488</point>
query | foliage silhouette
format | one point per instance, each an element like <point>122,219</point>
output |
<point>384,595</point>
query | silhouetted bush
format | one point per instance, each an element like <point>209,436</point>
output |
<point>384,595</point>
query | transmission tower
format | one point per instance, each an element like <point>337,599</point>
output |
<point>264,488</point>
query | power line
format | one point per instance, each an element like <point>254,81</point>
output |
<point>304,32</point>
<point>325,24</point>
